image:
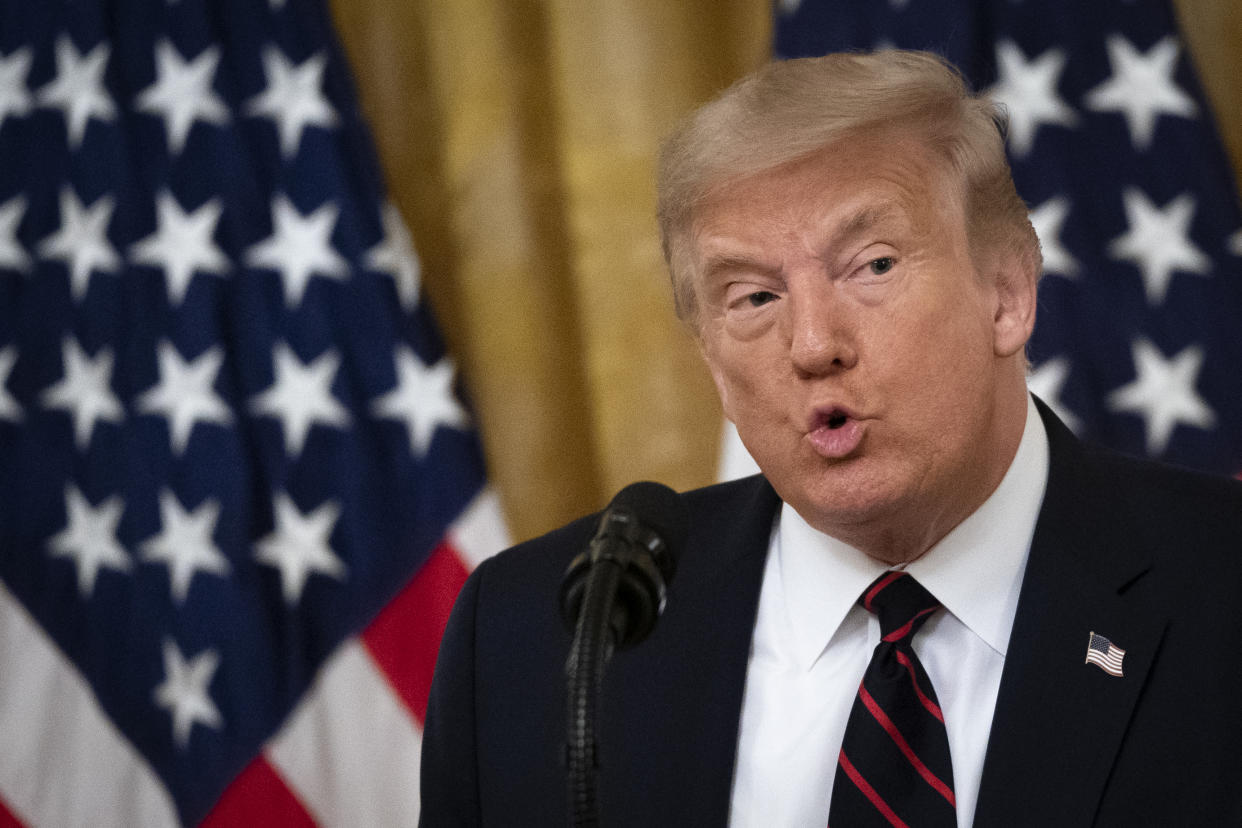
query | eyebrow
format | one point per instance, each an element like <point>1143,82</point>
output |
<point>727,262</point>
<point>867,218</point>
<point>862,220</point>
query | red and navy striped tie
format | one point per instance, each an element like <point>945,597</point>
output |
<point>894,768</point>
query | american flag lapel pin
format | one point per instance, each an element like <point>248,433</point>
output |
<point>1104,654</point>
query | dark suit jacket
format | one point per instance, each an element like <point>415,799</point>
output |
<point>1149,556</point>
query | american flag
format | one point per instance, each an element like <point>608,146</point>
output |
<point>1106,655</point>
<point>1137,342</point>
<point>238,490</point>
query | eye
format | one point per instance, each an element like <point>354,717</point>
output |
<point>882,265</point>
<point>760,297</point>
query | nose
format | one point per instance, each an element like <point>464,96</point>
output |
<point>820,338</point>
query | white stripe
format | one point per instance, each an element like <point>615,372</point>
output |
<point>350,750</point>
<point>62,760</point>
<point>479,532</point>
<point>1109,666</point>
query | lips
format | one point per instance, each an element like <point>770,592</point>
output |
<point>835,432</point>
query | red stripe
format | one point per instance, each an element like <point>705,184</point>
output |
<point>931,706</point>
<point>902,631</point>
<point>405,637</point>
<point>258,797</point>
<point>879,587</point>
<point>902,745</point>
<point>869,792</point>
<point>7,818</point>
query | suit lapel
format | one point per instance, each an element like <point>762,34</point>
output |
<point>1059,721</point>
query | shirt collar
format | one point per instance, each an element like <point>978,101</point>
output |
<point>975,570</point>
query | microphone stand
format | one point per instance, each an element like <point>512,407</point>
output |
<point>592,648</point>
<point>612,595</point>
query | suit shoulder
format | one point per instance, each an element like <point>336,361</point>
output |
<point>709,506</point>
<point>1189,520</point>
<point>1162,489</point>
<point>1145,493</point>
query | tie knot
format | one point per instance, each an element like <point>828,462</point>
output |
<point>901,604</point>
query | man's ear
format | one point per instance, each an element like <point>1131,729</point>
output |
<point>1016,278</point>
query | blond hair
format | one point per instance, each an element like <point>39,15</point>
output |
<point>790,109</point>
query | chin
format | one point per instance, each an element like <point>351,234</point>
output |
<point>838,517</point>
<point>846,494</point>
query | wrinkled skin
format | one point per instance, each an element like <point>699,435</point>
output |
<point>874,367</point>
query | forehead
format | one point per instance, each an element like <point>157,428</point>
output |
<point>848,187</point>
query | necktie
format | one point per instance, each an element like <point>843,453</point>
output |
<point>894,766</point>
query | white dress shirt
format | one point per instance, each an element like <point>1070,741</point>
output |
<point>812,643</point>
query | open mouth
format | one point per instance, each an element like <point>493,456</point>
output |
<point>836,433</point>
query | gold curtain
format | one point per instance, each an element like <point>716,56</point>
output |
<point>518,137</point>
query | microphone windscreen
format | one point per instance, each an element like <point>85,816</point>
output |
<point>660,509</point>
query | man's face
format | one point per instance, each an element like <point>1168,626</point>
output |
<point>855,345</point>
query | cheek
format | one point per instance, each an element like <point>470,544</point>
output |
<point>934,361</point>
<point>747,379</point>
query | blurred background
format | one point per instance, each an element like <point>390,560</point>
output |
<point>237,495</point>
<point>519,140</point>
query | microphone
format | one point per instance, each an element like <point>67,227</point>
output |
<point>641,534</point>
<point>611,596</point>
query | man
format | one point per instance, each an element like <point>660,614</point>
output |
<point>845,241</point>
